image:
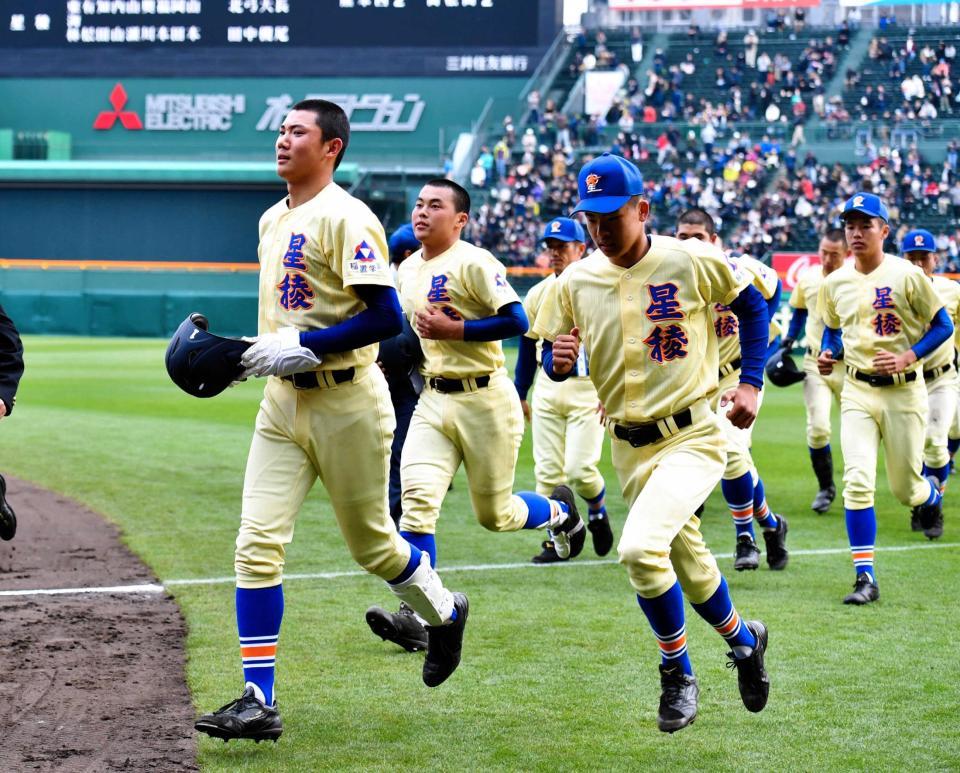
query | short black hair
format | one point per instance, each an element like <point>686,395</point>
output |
<point>836,235</point>
<point>698,216</point>
<point>461,199</point>
<point>332,121</point>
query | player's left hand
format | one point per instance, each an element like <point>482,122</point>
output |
<point>525,407</point>
<point>743,405</point>
<point>887,363</point>
<point>433,324</point>
<point>278,354</point>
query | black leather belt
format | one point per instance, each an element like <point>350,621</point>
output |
<point>730,367</point>
<point>933,373</point>
<point>446,385</point>
<point>645,434</point>
<point>876,380</point>
<point>310,379</point>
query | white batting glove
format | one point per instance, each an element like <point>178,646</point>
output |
<point>278,354</point>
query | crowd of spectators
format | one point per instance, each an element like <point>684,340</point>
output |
<point>766,192</point>
<point>917,80</point>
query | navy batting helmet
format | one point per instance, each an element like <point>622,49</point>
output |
<point>200,363</point>
<point>782,370</point>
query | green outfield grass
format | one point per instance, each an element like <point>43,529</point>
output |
<point>559,669</point>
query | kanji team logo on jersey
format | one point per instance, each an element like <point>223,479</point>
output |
<point>667,343</point>
<point>593,183</point>
<point>500,282</point>
<point>884,299</point>
<point>726,325</point>
<point>886,324</point>
<point>295,292</point>
<point>293,257</point>
<point>663,303</point>
<point>364,253</point>
<point>438,292</point>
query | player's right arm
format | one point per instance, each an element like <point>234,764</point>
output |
<point>798,320</point>
<point>556,327</point>
<point>831,342</point>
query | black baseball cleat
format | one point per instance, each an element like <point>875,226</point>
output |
<point>602,534</point>
<point>751,675</point>
<point>823,499</point>
<point>568,537</point>
<point>548,555</point>
<point>444,644</point>
<point>915,524</point>
<point>865,590</point>
<point>8,520</point>
<point>246,717</point>
<point>678,699</point>
<point>931,516</point>
<point>776,542</point>
<point>747,554</point>
<point>402,628</point>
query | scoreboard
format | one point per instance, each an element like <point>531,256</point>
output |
<point>273,37</point>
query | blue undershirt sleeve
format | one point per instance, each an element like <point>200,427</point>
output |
<point>797,322</point>
<point>751,310</point>
<point>831,341</point>
<point>546,362</point>
<point>526,366</point>
<point>941,328</point>
<point>509,321</point>
<point>382,319</point>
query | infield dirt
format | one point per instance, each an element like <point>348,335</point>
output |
<point>88,682</point>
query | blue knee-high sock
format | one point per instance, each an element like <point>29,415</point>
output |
<point>935,495</point>
<point>596,507</point>
<point>666,618</point>
<point>940,473</point>
<point>425,542</point>
<point>761,511</point>
<point>862,532</point>
<point>539,509</point>
<point>738,494</point>
<point>718,610</point>
<point>259,613</point>
<point>952,445</point>
<point>819,453</point>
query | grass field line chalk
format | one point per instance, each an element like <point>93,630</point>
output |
<point>155,588</point>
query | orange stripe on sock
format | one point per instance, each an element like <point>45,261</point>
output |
<point>862,556</point>
<point>260,651</point>
<point>730,627</point>
<point>673,646</point>
<point>744,512</point>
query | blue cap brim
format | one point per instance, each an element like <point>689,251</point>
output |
<point>602,205</point>
<point>905,250</point>
<point>862,211</point>
<point>559,238</point>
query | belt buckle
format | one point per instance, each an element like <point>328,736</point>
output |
<point>875,380</point>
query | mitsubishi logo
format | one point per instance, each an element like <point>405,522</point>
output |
<point>129,119</point>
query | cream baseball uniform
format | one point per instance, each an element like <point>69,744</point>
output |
<point>727,329</point>
<point>567,436</point>
<point>940,376</point>
<point>817,390</point>
<point>653,356</point>
<point>310,257</point>
<point>955,426</point>
<point>886,310</point>
<point>482,426</point>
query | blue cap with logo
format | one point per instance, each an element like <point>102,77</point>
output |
<point>918,240</point>
<point>564,229</point>
<point>607,183</point>
<point>403,239</point>
<point>869,204</point>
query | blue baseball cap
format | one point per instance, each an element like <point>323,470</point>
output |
<point>867,203</point>
<point>607,183</point>
<point>918,240</point>
<point>564,229</point>
<point>402,240</point>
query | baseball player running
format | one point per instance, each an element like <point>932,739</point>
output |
<point>819,391</point>
<point>642,307</point>
<point>567,438</point>
<point>326,299</point>
<point>939,372</point>
<point>741,485</point>
<point>461,306</point>
<point>881,304</point>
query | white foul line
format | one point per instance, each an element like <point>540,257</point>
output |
<point>155,588</point>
